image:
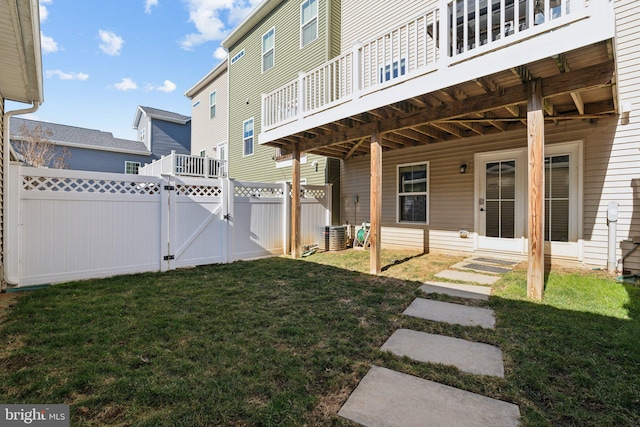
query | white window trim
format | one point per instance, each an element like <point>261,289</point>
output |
<point>127,163</point>
<point>238,56</point>
<point>244,154</point>
<point>202,153</point>
<point>142,134</point>
<point>302,25</point>
<point>214,105</point>
<point>427,193</point>
<point>382,69</point>
<point>195,104</point>
<point>273,49</point>
<point>223,145</point>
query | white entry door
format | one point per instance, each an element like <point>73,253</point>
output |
<point>501,201</point>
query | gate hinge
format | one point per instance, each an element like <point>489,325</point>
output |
<point>168,257</point>
<point>227,217</point>
<point>169,187</point>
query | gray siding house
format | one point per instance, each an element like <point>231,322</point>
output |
<point>159,132</point>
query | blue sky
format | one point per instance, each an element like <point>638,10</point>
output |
<point>103,58</point>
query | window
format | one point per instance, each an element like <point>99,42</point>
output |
<point>393,70</point>
<point>142,134</point>
<point>268,44</point>
<point>131,167</point>
<point>237,56</point>
<point>556,198</point>
<point>195,104</point>
<point>413,192</point>
<point>203,153</point>
<point>212,104</point>
<point>308,22</point>
<point>247,137</point>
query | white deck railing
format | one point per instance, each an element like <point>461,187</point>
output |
<point>185,165</point>
<point>444,33</point>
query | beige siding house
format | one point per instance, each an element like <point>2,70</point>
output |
<point>20,80</point>
<point>210,113</point>
<point>448,90</point>
<point>279,39</point>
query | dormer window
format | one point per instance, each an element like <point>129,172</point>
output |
<point>142,134</point>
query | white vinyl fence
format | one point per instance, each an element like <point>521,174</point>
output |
<point>70,225</point>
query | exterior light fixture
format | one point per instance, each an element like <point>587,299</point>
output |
<point>463,168</point>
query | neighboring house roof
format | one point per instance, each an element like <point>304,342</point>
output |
<point>72,136</point>
<point>21,64</point>
<point>257,15</point>
<point>155,113</point>
<point>206,80</point>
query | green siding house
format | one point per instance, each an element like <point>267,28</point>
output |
<point>277,41</point>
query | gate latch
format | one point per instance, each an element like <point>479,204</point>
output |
<point>227,216</point>
<point>169,257</point>
<point>169,187</point>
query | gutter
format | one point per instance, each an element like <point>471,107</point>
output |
<point>6,139</point>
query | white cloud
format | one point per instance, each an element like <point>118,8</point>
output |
<point>167,87</point>
<point>214,18</point>
<point>148,4</point>
<point>48,44</point>
<point>220,53</point>
<point>44,12</point>
<point>66,76</point>
<point>111,42</point>
<point>126,84</point>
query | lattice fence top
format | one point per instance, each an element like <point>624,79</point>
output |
<point>199,190</point>
<point>316,193</point>
<point>258,192</point>
<point>83,185</point>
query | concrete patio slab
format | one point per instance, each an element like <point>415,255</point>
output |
<point>457,290</point>
<point>389,398</point>
<point>472,357</point>
<point>486,268</point>
<point>465,276</point>
<point>451,313</point>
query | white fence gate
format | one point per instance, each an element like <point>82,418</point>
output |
<point>70,225</point>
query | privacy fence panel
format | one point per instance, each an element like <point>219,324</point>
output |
<point>257,220</point>
<point>72,225</point>
<point>78,225</point>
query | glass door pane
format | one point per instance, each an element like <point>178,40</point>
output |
<point>500,199</point>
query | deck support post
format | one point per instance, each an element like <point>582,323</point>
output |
<point>376,201</point>
<point>535,160</point>
<point>295,202</point>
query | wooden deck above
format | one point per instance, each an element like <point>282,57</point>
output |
<point>471,91</point>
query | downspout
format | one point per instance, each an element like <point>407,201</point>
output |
<point>6,153</point>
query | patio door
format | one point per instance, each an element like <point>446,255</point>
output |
<point>501,198</point>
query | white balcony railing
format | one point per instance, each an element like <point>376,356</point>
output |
<point>446,32</point>
<point>185,165</point>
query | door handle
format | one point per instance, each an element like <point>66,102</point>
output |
<point>481,209</point>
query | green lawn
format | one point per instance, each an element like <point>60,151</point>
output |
<point>284,342</point>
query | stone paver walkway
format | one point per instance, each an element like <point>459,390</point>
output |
<point>457,290</point>
<point>451,313</point>
<point>472,357</point>
<point>465,276</point>
<point>387,398</point>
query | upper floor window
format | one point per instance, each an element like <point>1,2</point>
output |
<point>203,153</point>
<point>237,56</point>
<point>195,104</point>
<point>247,137</point>
<point>212,104</point>
<point>131,167</point>
<point>142,134</point>
<point>308,22</point>
<point>268,49</point>
<point>413,192</point>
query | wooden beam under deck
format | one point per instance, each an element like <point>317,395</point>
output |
<point>573,81</point>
